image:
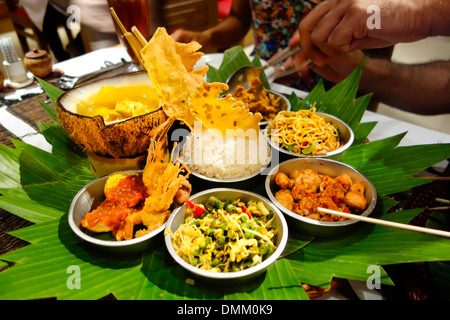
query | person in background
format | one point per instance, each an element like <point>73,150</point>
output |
<point>273,22</point>
<point>97,27</point>
<point>333,35</point>
<point>46,17</point>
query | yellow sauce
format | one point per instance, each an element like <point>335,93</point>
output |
<point>119,103</point>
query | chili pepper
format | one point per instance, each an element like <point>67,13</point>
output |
<point>197,210</point>
<point>244,209</point>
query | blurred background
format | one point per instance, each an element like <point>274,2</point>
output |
<point>435,48</point>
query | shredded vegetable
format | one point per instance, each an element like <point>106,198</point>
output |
<point>225,236</point>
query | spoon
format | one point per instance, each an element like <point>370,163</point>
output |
<point>244,75</point>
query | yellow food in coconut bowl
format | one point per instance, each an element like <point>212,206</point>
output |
<point>116,103</point>
<point>113,120</point>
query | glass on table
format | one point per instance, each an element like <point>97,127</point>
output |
<point>132,13</point>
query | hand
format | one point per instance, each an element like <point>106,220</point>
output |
<point>340,67</point>
<point>297,59</point>
<point>186,36</point>
<point>340,26</point>
<point>183,36</point>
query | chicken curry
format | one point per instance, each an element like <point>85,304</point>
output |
<point>303,191</point>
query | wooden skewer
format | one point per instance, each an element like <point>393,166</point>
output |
<point>433,178</point>
<point>439,208</point>
<point>136,42</point>
<point>139,36</point>
<point>442,200</point>
<point>387,223</point>
<point>116,18</point>
<point>135,46</point>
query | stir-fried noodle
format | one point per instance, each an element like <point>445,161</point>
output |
<point>304,132</point>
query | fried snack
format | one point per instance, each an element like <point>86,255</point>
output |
<point>223,114</point>
<point>133,200</point>
<point>170,66</point>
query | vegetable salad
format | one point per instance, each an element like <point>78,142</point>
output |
<point>225,236</point>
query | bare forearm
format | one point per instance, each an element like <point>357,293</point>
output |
<point>227,33</point>
<point>232,29</point>
<point>422,88</point>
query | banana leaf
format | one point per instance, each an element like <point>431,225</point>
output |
<point>39,186</point>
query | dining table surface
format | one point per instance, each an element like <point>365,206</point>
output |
<point>18,121</point>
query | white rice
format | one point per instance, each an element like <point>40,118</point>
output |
<point>215,156</point>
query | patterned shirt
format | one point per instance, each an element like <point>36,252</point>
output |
<point>274,23</point>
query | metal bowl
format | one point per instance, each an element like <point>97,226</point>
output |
<point>89,197</point>
<point>232,180</point>
<point>330,168</point>
<point>178,217</point>
<point>236,182</point>
<point>285,105</point>
<point>346,137</point>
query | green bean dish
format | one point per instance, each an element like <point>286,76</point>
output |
<point>225,236</point>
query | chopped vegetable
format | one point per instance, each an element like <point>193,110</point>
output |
<point>226,236</point>
<point>196,210</point>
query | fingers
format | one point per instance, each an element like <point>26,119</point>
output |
<point>330,22</point>
<point>305,29</point>
<point>294,40</point>
<point>332,28</point>
<point>178,35</point>
<point>183,36</point>
<point>338,69</point>
<point>370,43</point>
<point>327,73</point>
<point>292,63</point>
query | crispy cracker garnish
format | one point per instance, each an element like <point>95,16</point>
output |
<point>226,114</point>
<point>170,66</point>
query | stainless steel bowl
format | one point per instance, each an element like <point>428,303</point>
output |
<point>178,217</point>
<point>88,198</point>
<point>346,137</point>
<point>232,180</point>
<point>328,167</point>
<point>235,182</point>
<point>285,105</point>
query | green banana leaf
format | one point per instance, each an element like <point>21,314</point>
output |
<point>440,270</point>
<point>39,186</point>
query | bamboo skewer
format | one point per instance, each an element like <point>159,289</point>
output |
<point>387,223</point>
<point>442,200</point>
<point>442,207</point>
<point>135,39</point>
<point>139,36</point>
<point>433,178</point>
<point>439,208</point>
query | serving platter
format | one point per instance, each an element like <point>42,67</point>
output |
<point>39,186</point>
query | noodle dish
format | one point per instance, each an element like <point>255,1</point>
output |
<point>307,133</point>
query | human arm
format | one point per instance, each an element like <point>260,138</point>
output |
<point>419,88</point>
<point>225,34</point>
<point>338,26</point>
